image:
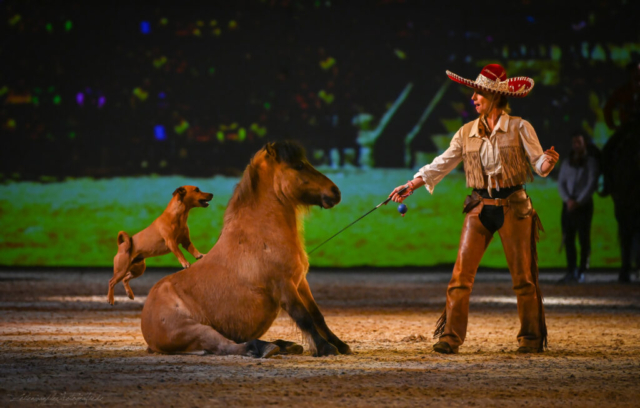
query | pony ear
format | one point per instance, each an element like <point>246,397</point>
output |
<point>180,190</point>
<point>271,150</point>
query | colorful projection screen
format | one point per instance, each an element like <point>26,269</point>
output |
<point>104,112</point>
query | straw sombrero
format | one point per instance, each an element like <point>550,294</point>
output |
<point>493,78</point>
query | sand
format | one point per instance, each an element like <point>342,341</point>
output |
<point>62,345</point>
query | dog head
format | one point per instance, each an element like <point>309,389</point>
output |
<point>191,196</point>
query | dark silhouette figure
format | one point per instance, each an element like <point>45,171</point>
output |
<point>621,167</point>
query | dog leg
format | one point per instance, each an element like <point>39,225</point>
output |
<point>120,268</point>
<point>186,243</point>
<point>125,283</point>
<point>137,269</point>
<point>173,247</point>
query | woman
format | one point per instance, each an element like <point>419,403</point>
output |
<point>577,182</point>
<point>495,149</point>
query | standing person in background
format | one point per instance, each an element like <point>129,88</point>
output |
<point>625,99</point>
<point>577,182</point>
<point>497,150</point>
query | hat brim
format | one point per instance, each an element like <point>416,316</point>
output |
<point>518,87</point>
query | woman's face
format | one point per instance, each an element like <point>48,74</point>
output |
<point>578,145</point>
<point>482,101</point>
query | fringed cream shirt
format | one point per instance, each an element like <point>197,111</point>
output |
<point>491,166</point>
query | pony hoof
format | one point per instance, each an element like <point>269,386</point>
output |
<point>261,349</point>
<point>130,295</point>
<point>327,349</point>
<point>288,347</point>
<point>345,349</point>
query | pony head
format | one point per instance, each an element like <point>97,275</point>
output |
<point>295,180</point>
<point>282,169</point>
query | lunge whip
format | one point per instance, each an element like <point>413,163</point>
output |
<point>370,211</point>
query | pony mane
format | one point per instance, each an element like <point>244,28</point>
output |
<point>289,151</point>
<point>244,193</point>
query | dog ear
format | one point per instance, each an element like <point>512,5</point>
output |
<point>271,151</point>
<point>180,190</point>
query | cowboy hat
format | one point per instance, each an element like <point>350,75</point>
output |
<point>493,78</point>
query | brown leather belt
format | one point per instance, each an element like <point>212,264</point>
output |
<point>497,178</point>
<point>496,201</point>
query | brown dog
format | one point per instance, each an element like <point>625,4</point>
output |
<point>160,238</point>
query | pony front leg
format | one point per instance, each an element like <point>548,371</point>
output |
<point>318,319</point>
<point>292,303</point>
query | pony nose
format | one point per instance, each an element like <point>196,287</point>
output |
<point>336,193</point>
<point>330,200</point>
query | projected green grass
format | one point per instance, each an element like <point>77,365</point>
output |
<point>75,223</point>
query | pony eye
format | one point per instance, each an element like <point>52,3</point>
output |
<point>197,190</point>
<point>299,166</point>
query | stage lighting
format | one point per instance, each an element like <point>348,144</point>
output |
<point>159,132</point>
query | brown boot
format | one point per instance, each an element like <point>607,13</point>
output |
<point>443,347</point>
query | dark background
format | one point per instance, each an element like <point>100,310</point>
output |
<point>263,68</point>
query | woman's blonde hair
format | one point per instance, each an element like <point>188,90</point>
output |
<point>502,103</point>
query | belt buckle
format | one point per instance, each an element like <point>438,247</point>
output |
<point>499,202</point>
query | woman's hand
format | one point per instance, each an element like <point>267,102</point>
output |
<point>411,186</point>
<point>552,159</point>
<point>552,156</point>
<point>395,194</point>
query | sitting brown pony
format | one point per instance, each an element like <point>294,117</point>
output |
<point>226,301</point>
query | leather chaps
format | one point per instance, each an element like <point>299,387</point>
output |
<point>519,235</point>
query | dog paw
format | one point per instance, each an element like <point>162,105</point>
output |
<point>200,256</point>
<point>186,265</point>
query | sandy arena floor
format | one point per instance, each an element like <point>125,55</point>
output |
<point>62,344</point>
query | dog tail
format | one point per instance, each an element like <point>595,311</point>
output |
<point>124,241</point>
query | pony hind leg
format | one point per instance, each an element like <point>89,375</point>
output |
<point>288,347</point>
<point>168,327</point>
<point>201,339</point>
